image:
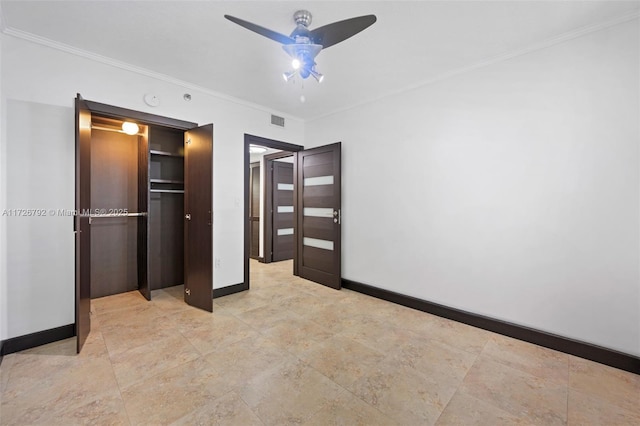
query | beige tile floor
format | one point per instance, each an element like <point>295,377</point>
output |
<point>293,352</point>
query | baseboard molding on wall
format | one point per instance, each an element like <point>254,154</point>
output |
<point>28,341</point>
<point>1,356</point>
<point>225,291</point>
<point>563,344</point>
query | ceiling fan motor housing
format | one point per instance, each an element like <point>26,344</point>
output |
<point>302,17</point>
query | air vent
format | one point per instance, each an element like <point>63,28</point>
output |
<point>278,121</point>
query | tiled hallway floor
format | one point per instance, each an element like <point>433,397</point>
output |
<point>293,352</point>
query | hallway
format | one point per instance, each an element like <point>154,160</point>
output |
<point>293,352</point>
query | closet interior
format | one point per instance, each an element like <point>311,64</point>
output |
<point>137,208</point>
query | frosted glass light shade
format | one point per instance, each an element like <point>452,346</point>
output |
<point>130,128</point>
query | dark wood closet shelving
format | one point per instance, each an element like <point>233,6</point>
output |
<point>166,181</point>
<point>166,207</point>
<point>168,191</point>
<point>165,153</point>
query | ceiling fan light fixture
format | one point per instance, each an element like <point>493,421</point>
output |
<point>288,75</point>
<point>303,45</point>
<point>319,77</point>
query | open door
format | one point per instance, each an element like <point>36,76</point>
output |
<point>198,207</point>
<point>81,226</point>
<point>318,215</point>
<point>282,206</point>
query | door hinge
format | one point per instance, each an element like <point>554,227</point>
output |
<point>187,291</point>
<point>188,141</point>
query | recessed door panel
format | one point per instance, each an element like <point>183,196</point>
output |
<point>198,193</point>
<point>318,215</point>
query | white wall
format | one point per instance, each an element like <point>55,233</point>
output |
<point>39,84</point>
<point>511,191</point>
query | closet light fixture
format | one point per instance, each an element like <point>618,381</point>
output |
<point>255,149</point>
<point>130,128</point>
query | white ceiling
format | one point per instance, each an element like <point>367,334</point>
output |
<point>412,42</point>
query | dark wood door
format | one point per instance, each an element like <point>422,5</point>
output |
<point>81,222</point>
<point>254,209</point>
<point>282,227</point>
<point>198,205</point>
<point>318,215</point>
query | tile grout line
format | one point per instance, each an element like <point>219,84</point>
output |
<point>113,371</point>
<point>477,356</point>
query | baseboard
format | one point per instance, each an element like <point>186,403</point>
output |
<point>1,356</point>
<point>28,341</point>
<point>225,291</point>
<point>563,344</point>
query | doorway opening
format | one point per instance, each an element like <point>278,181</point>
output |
<point>268,216</point>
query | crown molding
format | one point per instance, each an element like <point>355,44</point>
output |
<point>564,37</point>
<point>43,41</point>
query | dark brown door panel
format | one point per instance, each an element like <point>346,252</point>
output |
<point>318,215</point>
<point>198,199</point>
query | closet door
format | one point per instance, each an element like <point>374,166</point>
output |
<point>198,208</point>
<point>81,227</point>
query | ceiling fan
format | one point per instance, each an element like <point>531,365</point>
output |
<point>303,45</point>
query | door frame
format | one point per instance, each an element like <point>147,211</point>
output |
<point>268,143</point>
<point>252,170</point>
<point>267,212</point>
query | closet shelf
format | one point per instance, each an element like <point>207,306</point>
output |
<point>165,153</point>
<point>171,191</point>
<point>165,181</point>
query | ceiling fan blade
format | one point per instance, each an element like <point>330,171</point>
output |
<point>331,34</point>
<point>273,35</point>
